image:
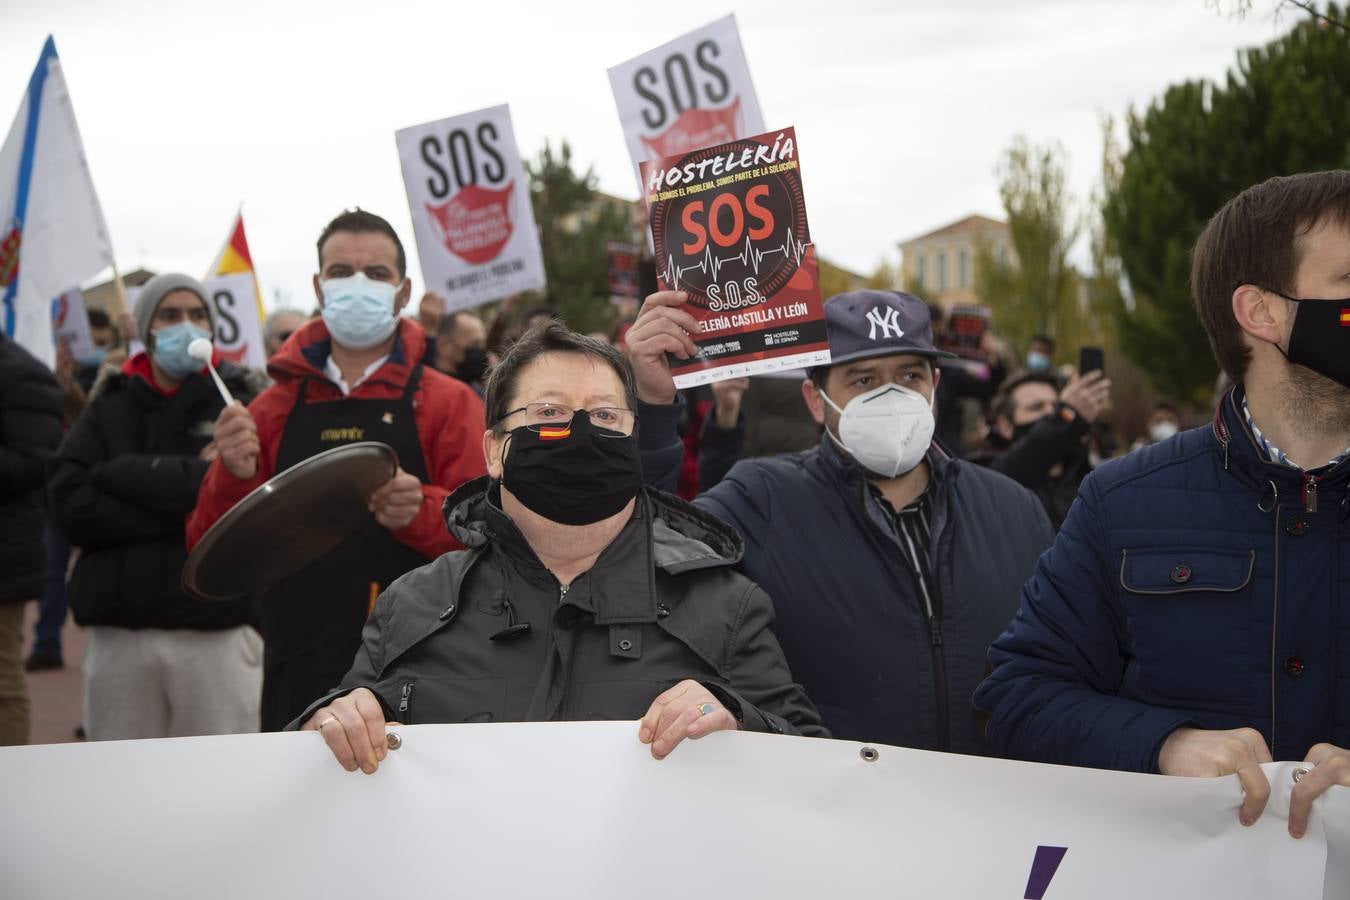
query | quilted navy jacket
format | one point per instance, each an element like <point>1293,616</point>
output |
<point>1193,583</point>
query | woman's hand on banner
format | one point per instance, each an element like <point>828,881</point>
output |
<point>353,727</point>
<point>236,438</point>
<point>661,327</point>
<point>1330,766</point>
<point>397,502</point>
<point>688,710</point>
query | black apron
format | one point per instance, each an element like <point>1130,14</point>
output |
<point>312,620</point>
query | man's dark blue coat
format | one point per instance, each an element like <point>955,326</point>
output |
<point>1191,585</point>
<point>847,608</point>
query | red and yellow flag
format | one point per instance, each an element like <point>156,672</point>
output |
<point>234,259</point>
<point>1345,317</point>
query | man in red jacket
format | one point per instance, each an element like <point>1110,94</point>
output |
<point>357,374</point>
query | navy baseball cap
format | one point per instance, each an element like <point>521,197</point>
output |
<point>864,324</point>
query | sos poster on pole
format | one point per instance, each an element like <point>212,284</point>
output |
<point>234,300</point>
<point>729,228</point>
<point>470,204</point>
<point>692,92</point>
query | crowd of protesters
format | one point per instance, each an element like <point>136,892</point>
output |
<point>901,546</point>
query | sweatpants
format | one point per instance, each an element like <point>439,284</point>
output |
<point>15,711</point>
<point>154,683</point>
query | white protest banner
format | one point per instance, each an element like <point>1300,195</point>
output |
<point>70,323</point>
<point>567,810</point>
<point>692,92</point>
<point>470,204</point>
<point>238,332</point>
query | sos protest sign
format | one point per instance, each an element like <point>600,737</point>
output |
<point>692,92</point>
<point>238,331</point>
<point>470,205</point>
<point>70,323</point>
<point>623,271</point>
<point>729,228</point>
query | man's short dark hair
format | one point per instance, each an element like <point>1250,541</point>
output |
<point>1254,239</point>
<point>549,337</point>
<point>1003,408</point>
<point>450,322</point>
<point>98,318</point>
<point>358,221</point>
<point>1045,339</point>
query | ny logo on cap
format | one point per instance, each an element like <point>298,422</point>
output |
<point>889,321</point>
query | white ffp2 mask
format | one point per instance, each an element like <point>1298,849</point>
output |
<point>887,430</point>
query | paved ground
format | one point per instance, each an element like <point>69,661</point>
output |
<point>57,695</point>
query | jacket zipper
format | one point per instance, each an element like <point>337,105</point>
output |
<point>1310,493</point>
<point>930,612</point>
<point>403,703</point>
<point>1275,631</point>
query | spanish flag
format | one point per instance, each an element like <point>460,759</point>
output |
<point>234,259</point>
<point>1345,317</point>
<point>555,432</point>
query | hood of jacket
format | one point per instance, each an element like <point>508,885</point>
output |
<point>306,353</point>
<point>683,537</point>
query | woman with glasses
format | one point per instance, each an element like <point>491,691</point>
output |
<point>582,595</point>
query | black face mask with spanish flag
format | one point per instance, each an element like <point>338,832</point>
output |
<point>1320,338</point>
<point>573,475</point>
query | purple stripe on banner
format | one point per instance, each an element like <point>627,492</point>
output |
<point>1043,869</point>
<point>30,134</point>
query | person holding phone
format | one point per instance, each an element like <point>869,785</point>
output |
<point>1040,430</point>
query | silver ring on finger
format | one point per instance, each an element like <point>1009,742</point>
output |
<point>1302,772</point>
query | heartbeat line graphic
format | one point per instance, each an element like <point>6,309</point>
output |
<point>751,258</point>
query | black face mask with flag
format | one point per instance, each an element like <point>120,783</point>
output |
<point>1320,338</point>
<point>575,474</point>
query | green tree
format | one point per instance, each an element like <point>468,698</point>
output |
<point>1036,291</point>
<point>1284,109</point>
<point>575,221</point>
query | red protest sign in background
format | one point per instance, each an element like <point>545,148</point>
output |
<point>729,228</point>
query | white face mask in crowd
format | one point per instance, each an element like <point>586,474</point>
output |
<point>359,311</point>
<point>1161,431</point>
<point>887,430</point>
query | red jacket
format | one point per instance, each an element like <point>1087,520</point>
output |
<point>448,414</point>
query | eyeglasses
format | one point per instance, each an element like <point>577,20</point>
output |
<point>544,415</point>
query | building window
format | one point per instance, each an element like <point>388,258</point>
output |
<point>963,265</point>
<point>921,272</point>
<point>942,273</point>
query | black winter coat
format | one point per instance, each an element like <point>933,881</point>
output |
<point>123,483</point>
<point>30,429</point>
<point>662,604</point>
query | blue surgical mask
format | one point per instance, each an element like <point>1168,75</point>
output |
<point>1038,362</point>
<point>359,311</point>
<point>171,348</point>
<point>94,359</point>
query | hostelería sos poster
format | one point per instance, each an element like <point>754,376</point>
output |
<point>729,228</point>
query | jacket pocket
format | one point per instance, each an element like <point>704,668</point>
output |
<point>1188,624</point>
<point>439,701</point>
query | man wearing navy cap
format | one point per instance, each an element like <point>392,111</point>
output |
<point>892,564</point>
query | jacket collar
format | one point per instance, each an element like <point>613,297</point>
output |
<point>664,533</point>
<point>1244,458</point>
<point>307,352</point>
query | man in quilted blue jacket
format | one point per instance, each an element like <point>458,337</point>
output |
<point>1193,616</point>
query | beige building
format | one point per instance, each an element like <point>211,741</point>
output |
<point>104,295</point>
<point>940,266</point>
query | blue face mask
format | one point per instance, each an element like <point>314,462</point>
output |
<point>94,359</point>
<point>171,348</point>
<point>359,312</point>
<point>1038,362</point>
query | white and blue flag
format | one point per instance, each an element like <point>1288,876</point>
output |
<point>52,233</point>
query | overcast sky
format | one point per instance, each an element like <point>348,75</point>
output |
<point>902,109</point>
